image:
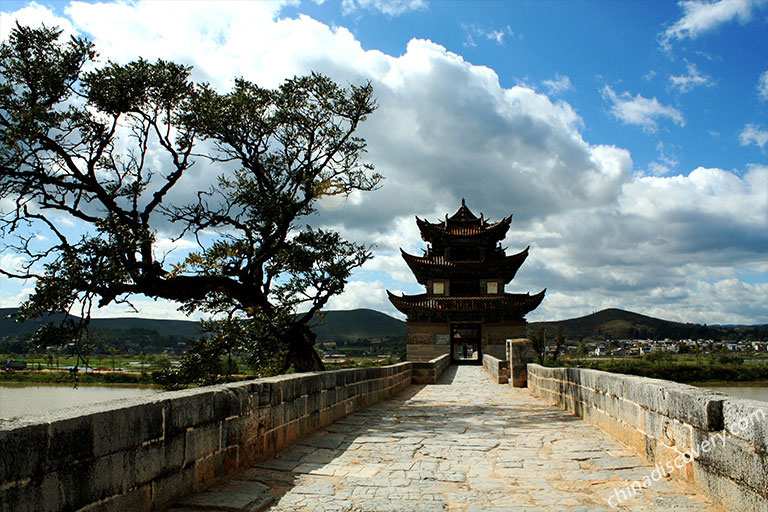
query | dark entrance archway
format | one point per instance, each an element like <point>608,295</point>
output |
<point>466,344</point>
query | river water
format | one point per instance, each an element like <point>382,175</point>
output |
<point>21,399</point>
<point>752,391</point>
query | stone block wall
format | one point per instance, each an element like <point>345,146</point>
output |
<point>421,344</point>
<point>429,372</point>
<point>495,337</point>
<point>497,368</point>
<point>710,439</point>
<point>144,454</point>
<point>520,352</point>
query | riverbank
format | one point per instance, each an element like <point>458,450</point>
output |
<point>678,370</point>
<point>145,376</point>
<point>54,377</point>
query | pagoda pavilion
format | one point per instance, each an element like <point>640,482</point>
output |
<point>465,310</point>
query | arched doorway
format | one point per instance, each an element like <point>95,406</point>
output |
<point>466,344</point>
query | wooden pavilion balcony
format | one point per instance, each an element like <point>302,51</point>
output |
<point>519,304</point>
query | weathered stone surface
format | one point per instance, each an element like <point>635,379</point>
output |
<point>734,457</point>
<point>188,408</point>
<point>495,336</point>
<point>734,495</point>
<point>519,352</point>
<point>748,420</point>
<point>706,438</point>
<point>232,495</point>
<point>467,444</point>
<point>429,372</point>
<point>23,447</point>
<point>421,340</point>
<point>110,456</point>
<point>497,368</point>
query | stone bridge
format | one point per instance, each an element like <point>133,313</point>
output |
<point>409,437</point>
<point>466,443</point>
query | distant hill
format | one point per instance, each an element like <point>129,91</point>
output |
<point>346,325</point>
<point>357,323</point>
<point>620,324</point>
<point>177,328</point>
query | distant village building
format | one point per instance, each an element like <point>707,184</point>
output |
<point>465,311</point>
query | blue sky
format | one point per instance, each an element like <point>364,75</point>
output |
<point>629,139</point>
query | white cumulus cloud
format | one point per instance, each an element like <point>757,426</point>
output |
<point>702,16</point>
<point>472,32</point>
<point>389,7</point>
<point>762,86</point>
<point>558,85</point>
<point>601,234</point>
<point>640,111</point>
<point>753,134</point>
<point>362,294</point>
<point>34,14</point>
<point>693,78</point>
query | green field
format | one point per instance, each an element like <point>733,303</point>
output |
<point>129,368</point>
<point>126,362</point>
<point>138,369</point>
<point>133,369</point>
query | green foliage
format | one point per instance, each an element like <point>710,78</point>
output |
<point>109,147</point>
<point>725,358</point>
<point>142,378</point>
<point>559,342</point>
<point>539,342</point>
<point>38,73</point>
<point>213,360</point>
<point>658,356</point>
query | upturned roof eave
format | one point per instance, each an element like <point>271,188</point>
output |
<point>505,267</point>
<point>430,231</point>
<point>525,303</point>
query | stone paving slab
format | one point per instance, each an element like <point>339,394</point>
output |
<point>465,444</point>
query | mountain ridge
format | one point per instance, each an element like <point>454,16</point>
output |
<point>618,323</point>
<point>362,323</point>
<point>334,324</point>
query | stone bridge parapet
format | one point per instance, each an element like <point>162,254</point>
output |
<point>715,441</point>
<point>429,372</point>
<point>497,368</point>
<point>145,453</point>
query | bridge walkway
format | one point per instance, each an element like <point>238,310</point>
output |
<point>465,444</point>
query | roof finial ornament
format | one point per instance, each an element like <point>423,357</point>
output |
<point>462,202</point>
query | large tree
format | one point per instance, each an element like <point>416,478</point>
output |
<point>132,153</point>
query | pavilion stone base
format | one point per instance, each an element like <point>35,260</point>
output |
<point>429,340</point>
<point>495,337</point>
<point>422,337</point>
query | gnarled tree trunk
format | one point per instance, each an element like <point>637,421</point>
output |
<point>301,350</point>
